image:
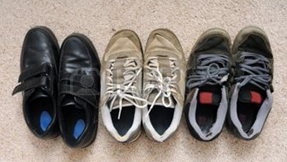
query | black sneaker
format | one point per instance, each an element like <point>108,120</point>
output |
<point>251,94</point>
<point>39,72</point>
<point>79,91</point>
<point>208,71</point>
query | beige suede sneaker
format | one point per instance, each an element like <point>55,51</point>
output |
<point>121,85</point>
<point>164,84</point>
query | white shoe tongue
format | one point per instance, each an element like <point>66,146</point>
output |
<point>125,103</point>
<point>159,102</point>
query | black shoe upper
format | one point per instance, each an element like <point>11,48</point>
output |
<point>38,81</point>
<point>251,93</point>
<point>79,91</point>
<point>208,70</point>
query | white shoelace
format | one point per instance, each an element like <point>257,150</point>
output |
<point>165,86</point>
<point>126,90</point>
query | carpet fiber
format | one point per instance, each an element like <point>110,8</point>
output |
<point>99,20</point>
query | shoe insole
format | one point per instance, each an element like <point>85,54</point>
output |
<point>161,118</point>
<point>45,120</point>
<point>206,116</point>
<point>247,114</point>
<point>124,124</point>
<point>39,112</point>
<point>79,128</point>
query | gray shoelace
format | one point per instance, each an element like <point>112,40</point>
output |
<point>212,69</point>
<point>256,70</point>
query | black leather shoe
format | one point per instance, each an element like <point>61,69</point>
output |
<point>79,91</point>
<point>38,81</point>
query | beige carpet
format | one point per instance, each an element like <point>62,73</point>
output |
<point>99,20</point>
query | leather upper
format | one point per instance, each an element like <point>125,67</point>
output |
<point>79,86</point>
<point>38,78</point>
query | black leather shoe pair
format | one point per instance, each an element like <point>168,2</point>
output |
<point>60,87</point>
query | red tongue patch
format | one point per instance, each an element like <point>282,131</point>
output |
<point>205,98</point>
<point>209,98</point>
<point>256,97</point>
<point>250,97</point>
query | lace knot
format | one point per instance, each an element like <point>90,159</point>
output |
<point>127,90</point>
<point>120,93</point>
<point>211,69</point>
<point>163,85</point>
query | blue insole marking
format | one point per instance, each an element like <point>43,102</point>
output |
<point>45,120</point>
<point>79,128</point>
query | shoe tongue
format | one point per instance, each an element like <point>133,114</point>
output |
<point>125,103</point>
<point>250,96</point>
<point>118,78</point>
<point>70,100</point>
<point>38,93</point>
<point>164,64</point>
<point>209,95</point>
<point>118,69</point>
<point>209,98</point>
<point>159,102</point>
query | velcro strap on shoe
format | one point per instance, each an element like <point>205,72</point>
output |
<point>82,80</point>
<point>87,94</point>
<point>79,85</point>
<point>32,83</point>
<point>36,77</point>
<point>29,73</point>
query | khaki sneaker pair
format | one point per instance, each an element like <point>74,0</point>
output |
<point>142,87</point>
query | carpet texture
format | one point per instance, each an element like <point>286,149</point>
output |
<point>99,20</point>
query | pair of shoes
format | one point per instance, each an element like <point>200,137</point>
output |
<point>60,86</point>
<point>233,84</point>
<point>142,87</point>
